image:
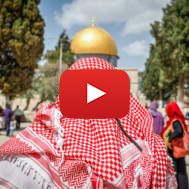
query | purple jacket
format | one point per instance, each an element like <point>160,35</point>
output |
<point>7,113</point>
<point>158,121</point>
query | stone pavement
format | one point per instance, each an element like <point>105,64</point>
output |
<point>4,138</point>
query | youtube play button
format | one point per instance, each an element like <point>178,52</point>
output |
<point>94,94</point>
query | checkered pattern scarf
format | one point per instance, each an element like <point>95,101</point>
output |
<point>87,153</point>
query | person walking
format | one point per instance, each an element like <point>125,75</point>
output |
<point>1,118</point>
<point>176,120</point>
<point>1,110</point>
<point>18,116</point>
<point>12,125</point>
<point>7,113</point>
<point>158,121</point>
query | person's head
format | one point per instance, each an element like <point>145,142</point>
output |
<point>172,110</point>
<point>17,107</point>
<point>154,105</point>
<point>8,105</point>
<point>13,118</point>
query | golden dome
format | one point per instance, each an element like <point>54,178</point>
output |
<point>93,40</point>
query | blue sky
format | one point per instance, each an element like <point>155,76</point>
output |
<point>127,21</point>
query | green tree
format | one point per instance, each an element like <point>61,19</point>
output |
<point>171,47</point>
<point>150,78</point>
<point>21,44</point>
<point>67,57</point>
<point>175,30</point>
<point>154,83</point>
<point>32,92</point>
<point>47,82</point>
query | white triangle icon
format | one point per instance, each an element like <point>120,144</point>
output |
<point>93,93</point>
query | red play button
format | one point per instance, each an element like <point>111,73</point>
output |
<point>94,94</point>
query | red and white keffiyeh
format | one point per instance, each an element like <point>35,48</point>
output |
<point>59,152</point>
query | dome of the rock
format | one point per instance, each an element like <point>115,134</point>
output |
<point>93,40</point>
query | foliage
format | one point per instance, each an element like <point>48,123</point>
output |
<point>171,48</point>
<point>154,84</point>
<point>46,80</point>
<point>48,83</point>
<point>67,57</point>
<point>21,44</point>
<point>65,41</point>
<point>150,79</point>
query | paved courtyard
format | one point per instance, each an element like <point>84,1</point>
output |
<point>4,138</point>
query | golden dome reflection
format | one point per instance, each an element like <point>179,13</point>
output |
<point>93,40</point>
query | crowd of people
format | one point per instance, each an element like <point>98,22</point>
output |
<point>9,119</point>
